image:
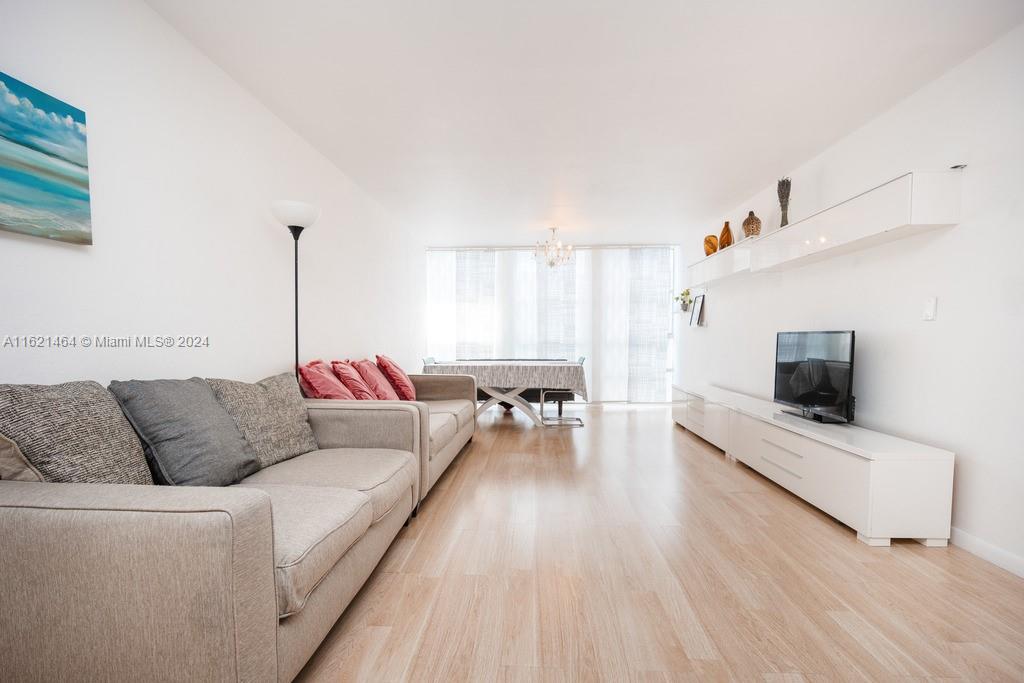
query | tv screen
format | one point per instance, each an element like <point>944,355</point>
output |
<point>814,372</point>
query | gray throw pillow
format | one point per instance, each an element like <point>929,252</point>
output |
<point>189,439</point>
<point>73,433</point>
<point>270,414</point>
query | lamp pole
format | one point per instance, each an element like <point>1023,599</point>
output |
<point>296,231</point>
<point>296,216</point>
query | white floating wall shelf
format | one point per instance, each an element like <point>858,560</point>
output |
<point>721,264</point>
<point>905,206</point>
<point>908,205</point>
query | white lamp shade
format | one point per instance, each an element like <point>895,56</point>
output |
<point>289,213</point>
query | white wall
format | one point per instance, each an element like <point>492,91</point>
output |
<point>183,165</point>
<point>955,382</point>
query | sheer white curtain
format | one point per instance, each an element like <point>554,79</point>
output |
<point>612,305</point>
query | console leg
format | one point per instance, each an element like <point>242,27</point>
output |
<point>933,542</point>
<point>874,542</point>
<point>415,510</point>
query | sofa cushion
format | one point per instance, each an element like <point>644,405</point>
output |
<point>443,428</point>
<point>352,380</point>
<point>462,408</point>
<point>382,474</point>
<point>313,528</point>
<point>375,379</point>
<point>189,439</point>
<point>14,466</point>
<point>397,377</point>
<point>270,414</point>
<point>319,381</point>
<point>72,433</point>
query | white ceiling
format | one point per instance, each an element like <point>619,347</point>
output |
<point>483,121</point>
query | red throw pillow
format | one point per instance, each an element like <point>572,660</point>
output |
<point>318,381</point>
<point>352,380</point>
<point>304,387</point>
<point>375,379</point>
<point>396,376</point>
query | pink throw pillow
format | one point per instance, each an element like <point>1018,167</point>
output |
<point>318,381</point>
<point>352,380</point>
<point>396,376</point>
<point>375,379</point>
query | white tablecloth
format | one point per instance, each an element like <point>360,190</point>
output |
<point>518,373</point>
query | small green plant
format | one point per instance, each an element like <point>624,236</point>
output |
<point>684,297</point>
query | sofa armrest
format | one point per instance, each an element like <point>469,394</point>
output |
<point>119,582</point>
<point>401,425</point>
<point>365,424</point>
<point>442,387</point>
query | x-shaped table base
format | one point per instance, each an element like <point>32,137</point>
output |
<point>512,397</point>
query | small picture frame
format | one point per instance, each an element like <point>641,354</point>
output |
<point>697,312</point>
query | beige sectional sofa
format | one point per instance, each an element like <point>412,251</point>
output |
<point>450,411</point>
<point>236,583</point>
<point>446,405</point>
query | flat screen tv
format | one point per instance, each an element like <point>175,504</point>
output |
<point>814,374</point>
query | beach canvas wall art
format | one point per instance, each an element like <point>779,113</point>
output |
<point>44,170</point>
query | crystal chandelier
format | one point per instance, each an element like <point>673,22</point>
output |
<point>552,251</point>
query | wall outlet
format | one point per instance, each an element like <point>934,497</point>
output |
<point>931,305</point>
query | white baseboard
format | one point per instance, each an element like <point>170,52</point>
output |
<point>986,551</point>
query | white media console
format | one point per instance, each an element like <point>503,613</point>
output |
<point>882,486</point>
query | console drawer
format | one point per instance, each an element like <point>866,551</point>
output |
<point>716,425</point>
<point>695,404</point>
<point>747,446</point>
<point>679,407</point>
<point>782,464</point>
<point>695,424</point>
<point>838,482</point>
<point>828,478</point>
<point>695,414</point>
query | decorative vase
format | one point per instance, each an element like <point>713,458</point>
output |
<point>751,225</point>
<point>710,245</point>
<point>683,306</point>
<point>784,186</point>
<point>725,239</point>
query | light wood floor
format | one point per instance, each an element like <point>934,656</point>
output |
<point>631,550</point>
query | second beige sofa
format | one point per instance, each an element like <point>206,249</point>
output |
<point>446,405</point>
<point>450,402</point>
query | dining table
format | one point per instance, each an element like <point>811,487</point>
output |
<point>504,381</point>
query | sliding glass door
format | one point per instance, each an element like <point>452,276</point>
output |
<point>611,305</point>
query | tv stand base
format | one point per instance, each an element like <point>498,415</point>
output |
<point>822,418</point>
<point>874,542</point>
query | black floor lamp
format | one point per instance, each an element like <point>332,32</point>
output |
<point>296,216</point>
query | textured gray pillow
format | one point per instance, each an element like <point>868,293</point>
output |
<point>189,439</point>
<point>72,433</point>
<point>270,414</point>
